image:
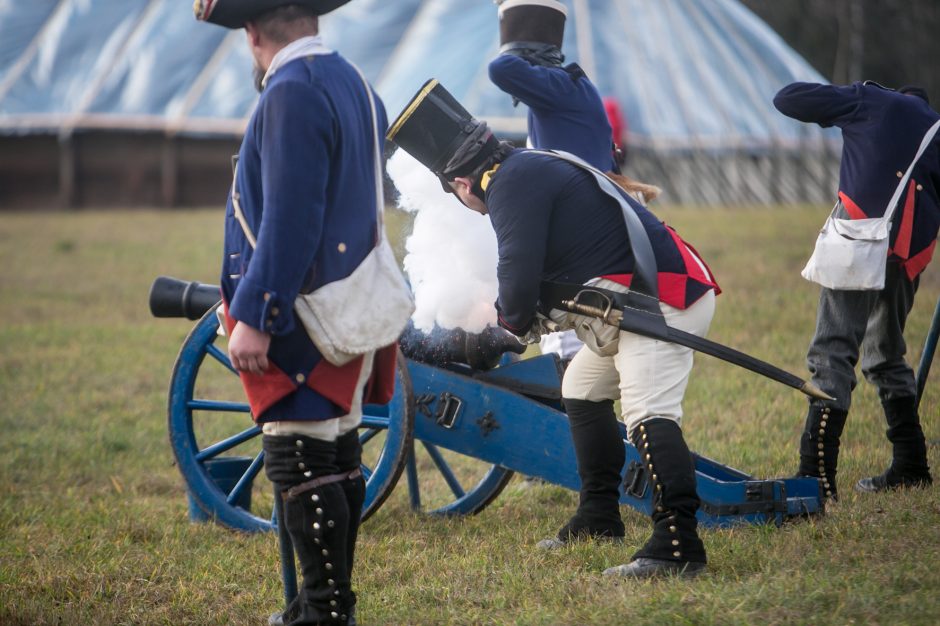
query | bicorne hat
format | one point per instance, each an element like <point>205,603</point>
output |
<point>436,130</point>
<point>532,21</point>
<point>234,13</point>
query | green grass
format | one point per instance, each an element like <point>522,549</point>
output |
<point>93,513</point>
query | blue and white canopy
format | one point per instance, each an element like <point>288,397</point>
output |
<point>688,74</point>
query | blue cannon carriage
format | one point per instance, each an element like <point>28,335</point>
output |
<point>457,427</point>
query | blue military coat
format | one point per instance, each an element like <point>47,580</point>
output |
<point>564,113</point>
<point>881,131</point>
<point>306,185</point>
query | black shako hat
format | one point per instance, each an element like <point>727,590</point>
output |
<point>234,13</point>
<point>436,130</point>
<point>532,21</point>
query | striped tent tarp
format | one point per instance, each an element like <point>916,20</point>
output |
<point>694,79</point>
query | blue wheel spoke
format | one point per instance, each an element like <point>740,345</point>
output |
<point>247,478</point>
<point>374,421</point>
<point>445,470</point>
<point>220,356</point>
<point>223,406</point>
<point>227,444</point>
<point>367,436</point>
<point>414,491</point>
<point>366,472</point>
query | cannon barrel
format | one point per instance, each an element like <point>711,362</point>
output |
<point>172,297</point>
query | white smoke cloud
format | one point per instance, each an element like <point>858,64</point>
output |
<point>451,254</point>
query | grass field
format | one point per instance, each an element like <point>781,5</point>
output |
<point>93,514</point>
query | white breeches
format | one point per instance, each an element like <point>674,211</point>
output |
<point>648,375</point>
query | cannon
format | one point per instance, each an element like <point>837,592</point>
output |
<point>466,415</point>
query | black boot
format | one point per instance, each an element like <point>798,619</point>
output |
<point>909,463</point>
<point>819,446</point>
<point>675,547</point>
<point>316,516</point>
<point>600,455</point>
<point>348,459</point>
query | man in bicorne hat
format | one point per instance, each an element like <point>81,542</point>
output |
<point>881,130</point>
<point>555,224</point>
<point>302,213</point>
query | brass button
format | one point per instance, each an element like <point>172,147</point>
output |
<point>301,466</point>
<point>821,454</point>
<point>900,174</point>
<point>300,444</point>
<point>672,529</point>
<point>267,296</point>
<point>300,378</point>
<point>920,187</point>
<point>316,526</point>
<point>675,542</point>
<point>275,311</point>
<point>677,554</point>
<point>269,323</point>
<point>341,247</point>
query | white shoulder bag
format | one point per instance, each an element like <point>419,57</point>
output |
<point>368,309</point>
<point>852,254</point>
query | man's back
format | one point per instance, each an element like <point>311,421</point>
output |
<point>565,110</point>
<point>881,129</point>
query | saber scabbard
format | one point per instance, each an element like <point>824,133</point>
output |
<point>654,326</point>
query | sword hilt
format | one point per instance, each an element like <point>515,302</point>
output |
<point>609,316</point>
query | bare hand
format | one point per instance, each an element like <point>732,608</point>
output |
<point>248,349</point>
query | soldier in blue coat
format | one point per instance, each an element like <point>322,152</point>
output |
<point>881,131</point>
<point>557,228</point>
<point>566,111</point>
<point>302,213</point>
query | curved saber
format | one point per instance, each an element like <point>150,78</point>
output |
<point>654,326</point>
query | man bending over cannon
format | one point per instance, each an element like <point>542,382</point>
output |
<point>302,213</point>
<point>558,229</point>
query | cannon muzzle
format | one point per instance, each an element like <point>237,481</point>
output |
<point>172,297</point>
